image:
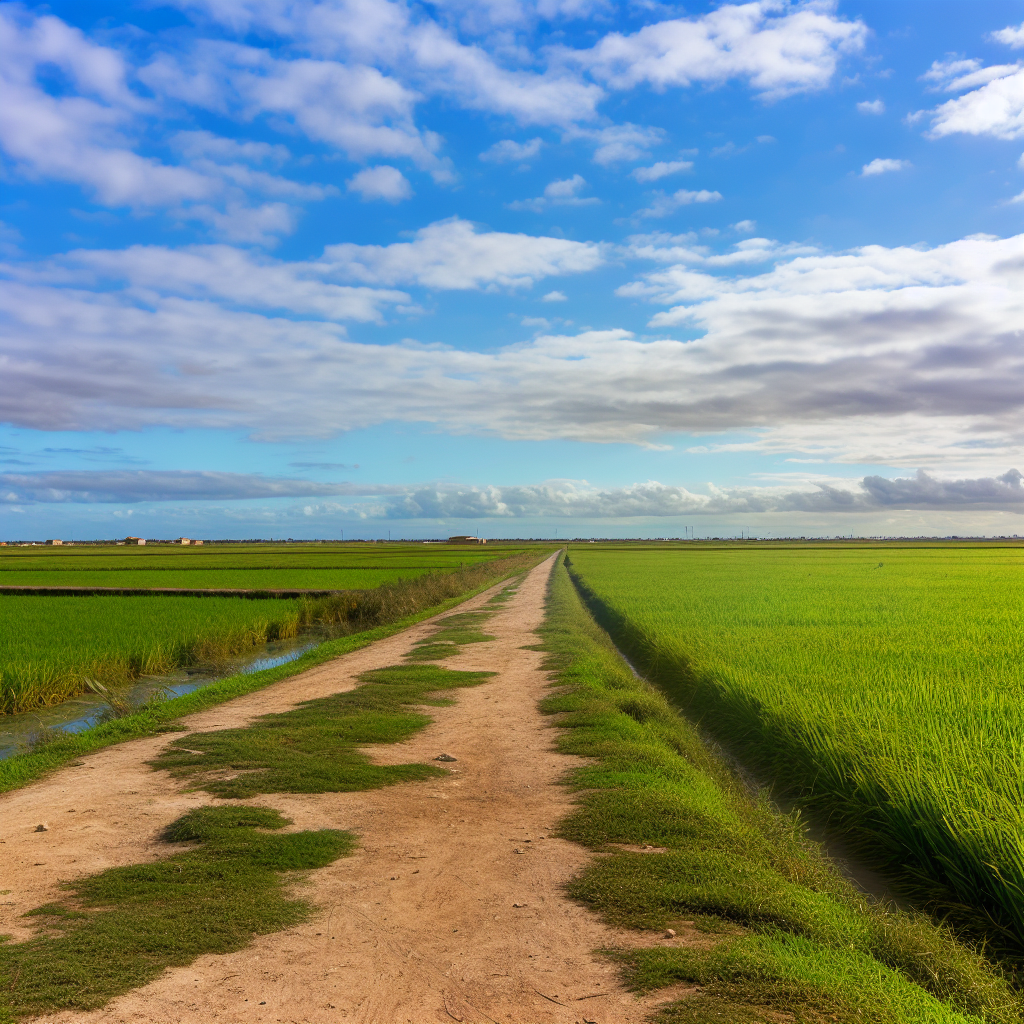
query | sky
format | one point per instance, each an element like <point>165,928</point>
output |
<point>360,268</point>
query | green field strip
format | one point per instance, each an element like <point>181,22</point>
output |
<point>781,932</point>
<point>124,927</point>
<point>314,748</point>
<point>883,689</point>
<point>160,716</point>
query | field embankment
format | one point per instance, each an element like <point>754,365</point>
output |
<point>881,687</point>
<point>771,930</point>
<point>50,646</point>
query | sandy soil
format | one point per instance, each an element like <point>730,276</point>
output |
<point>451,908</point>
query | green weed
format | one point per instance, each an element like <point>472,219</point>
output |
<point>122,928</point>
<point>314,748</point>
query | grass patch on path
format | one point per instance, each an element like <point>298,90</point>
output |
<point>161,716</point>
<point>123,927</point>
<point>314,747</point>
<point>784,932</point>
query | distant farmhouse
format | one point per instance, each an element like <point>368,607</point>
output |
<point>462,539</point>
<point>55,543</point>
<point>135,540</point>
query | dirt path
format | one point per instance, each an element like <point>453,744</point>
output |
<point>451,909</point>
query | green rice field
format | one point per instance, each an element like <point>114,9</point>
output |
<point>882,685</point>
<point>48,644</point>
<point>51,644</point>
<point>235,566</point>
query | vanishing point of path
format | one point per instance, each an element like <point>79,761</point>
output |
<point>452,906</point>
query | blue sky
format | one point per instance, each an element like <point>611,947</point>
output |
<point>271,268</point>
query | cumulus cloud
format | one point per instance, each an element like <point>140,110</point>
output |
<point>152,274</point>
<point>1011,36</point>
<point>883,166</point>
<point>871,107</point>
<point>576,499</point>
<point>778,48</point>
<point>446,255</point>
<point>554,297</point>
<point>131,486</point>
<point>88,132</point>
<point>661,169</point>
<point>619,143</point>
<point>508,151</point>
<point>452,254</point>
<point>565,192</point>
<point>994,104</point>
<point>383,182</point>
<point>903,356</point>
<point>663,204</point>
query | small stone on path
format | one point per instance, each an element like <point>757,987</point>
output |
<point>41,828</point>
<point>445,757</point>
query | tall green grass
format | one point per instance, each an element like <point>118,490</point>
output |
<point>50,645</point>
<point>883,687</point>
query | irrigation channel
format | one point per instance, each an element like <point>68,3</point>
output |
<point>18,732</point>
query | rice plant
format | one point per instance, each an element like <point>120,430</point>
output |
<point>884,687</point>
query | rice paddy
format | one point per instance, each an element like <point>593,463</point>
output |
<point>236,566</point>
<point>50,646</point>
<point>882,686</point>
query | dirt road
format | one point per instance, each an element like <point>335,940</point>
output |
<point>451,908</point>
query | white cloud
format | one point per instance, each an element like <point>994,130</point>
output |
<point>883,166</point>
<point>564,192</point>
<point>200,144</point>
<point>661,169</point>
<point>1011,36</point>
<point>576,499</point>
<point>994,108</point>
<point>451,254</point>
<point>664,205</point>
<point>619,143</point>
<point>871,107</point>
<point>152,275</point>
<point>907,356</point>
<point>86,134</point>
<point>383,182</point>
<point>447,255</point>
<point>508,151</point>
<point>554,297</point>
<point>745,227</point>
<point>779,49</point>
<point>131,486</point>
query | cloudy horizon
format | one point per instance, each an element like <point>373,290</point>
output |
<point>272,268</point>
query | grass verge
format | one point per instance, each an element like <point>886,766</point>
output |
<point>160,716</point>
<point>314,747</point>
<point>775,929</point>
<point>120,929</point>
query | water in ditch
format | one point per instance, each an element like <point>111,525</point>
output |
<point>17,732</point>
